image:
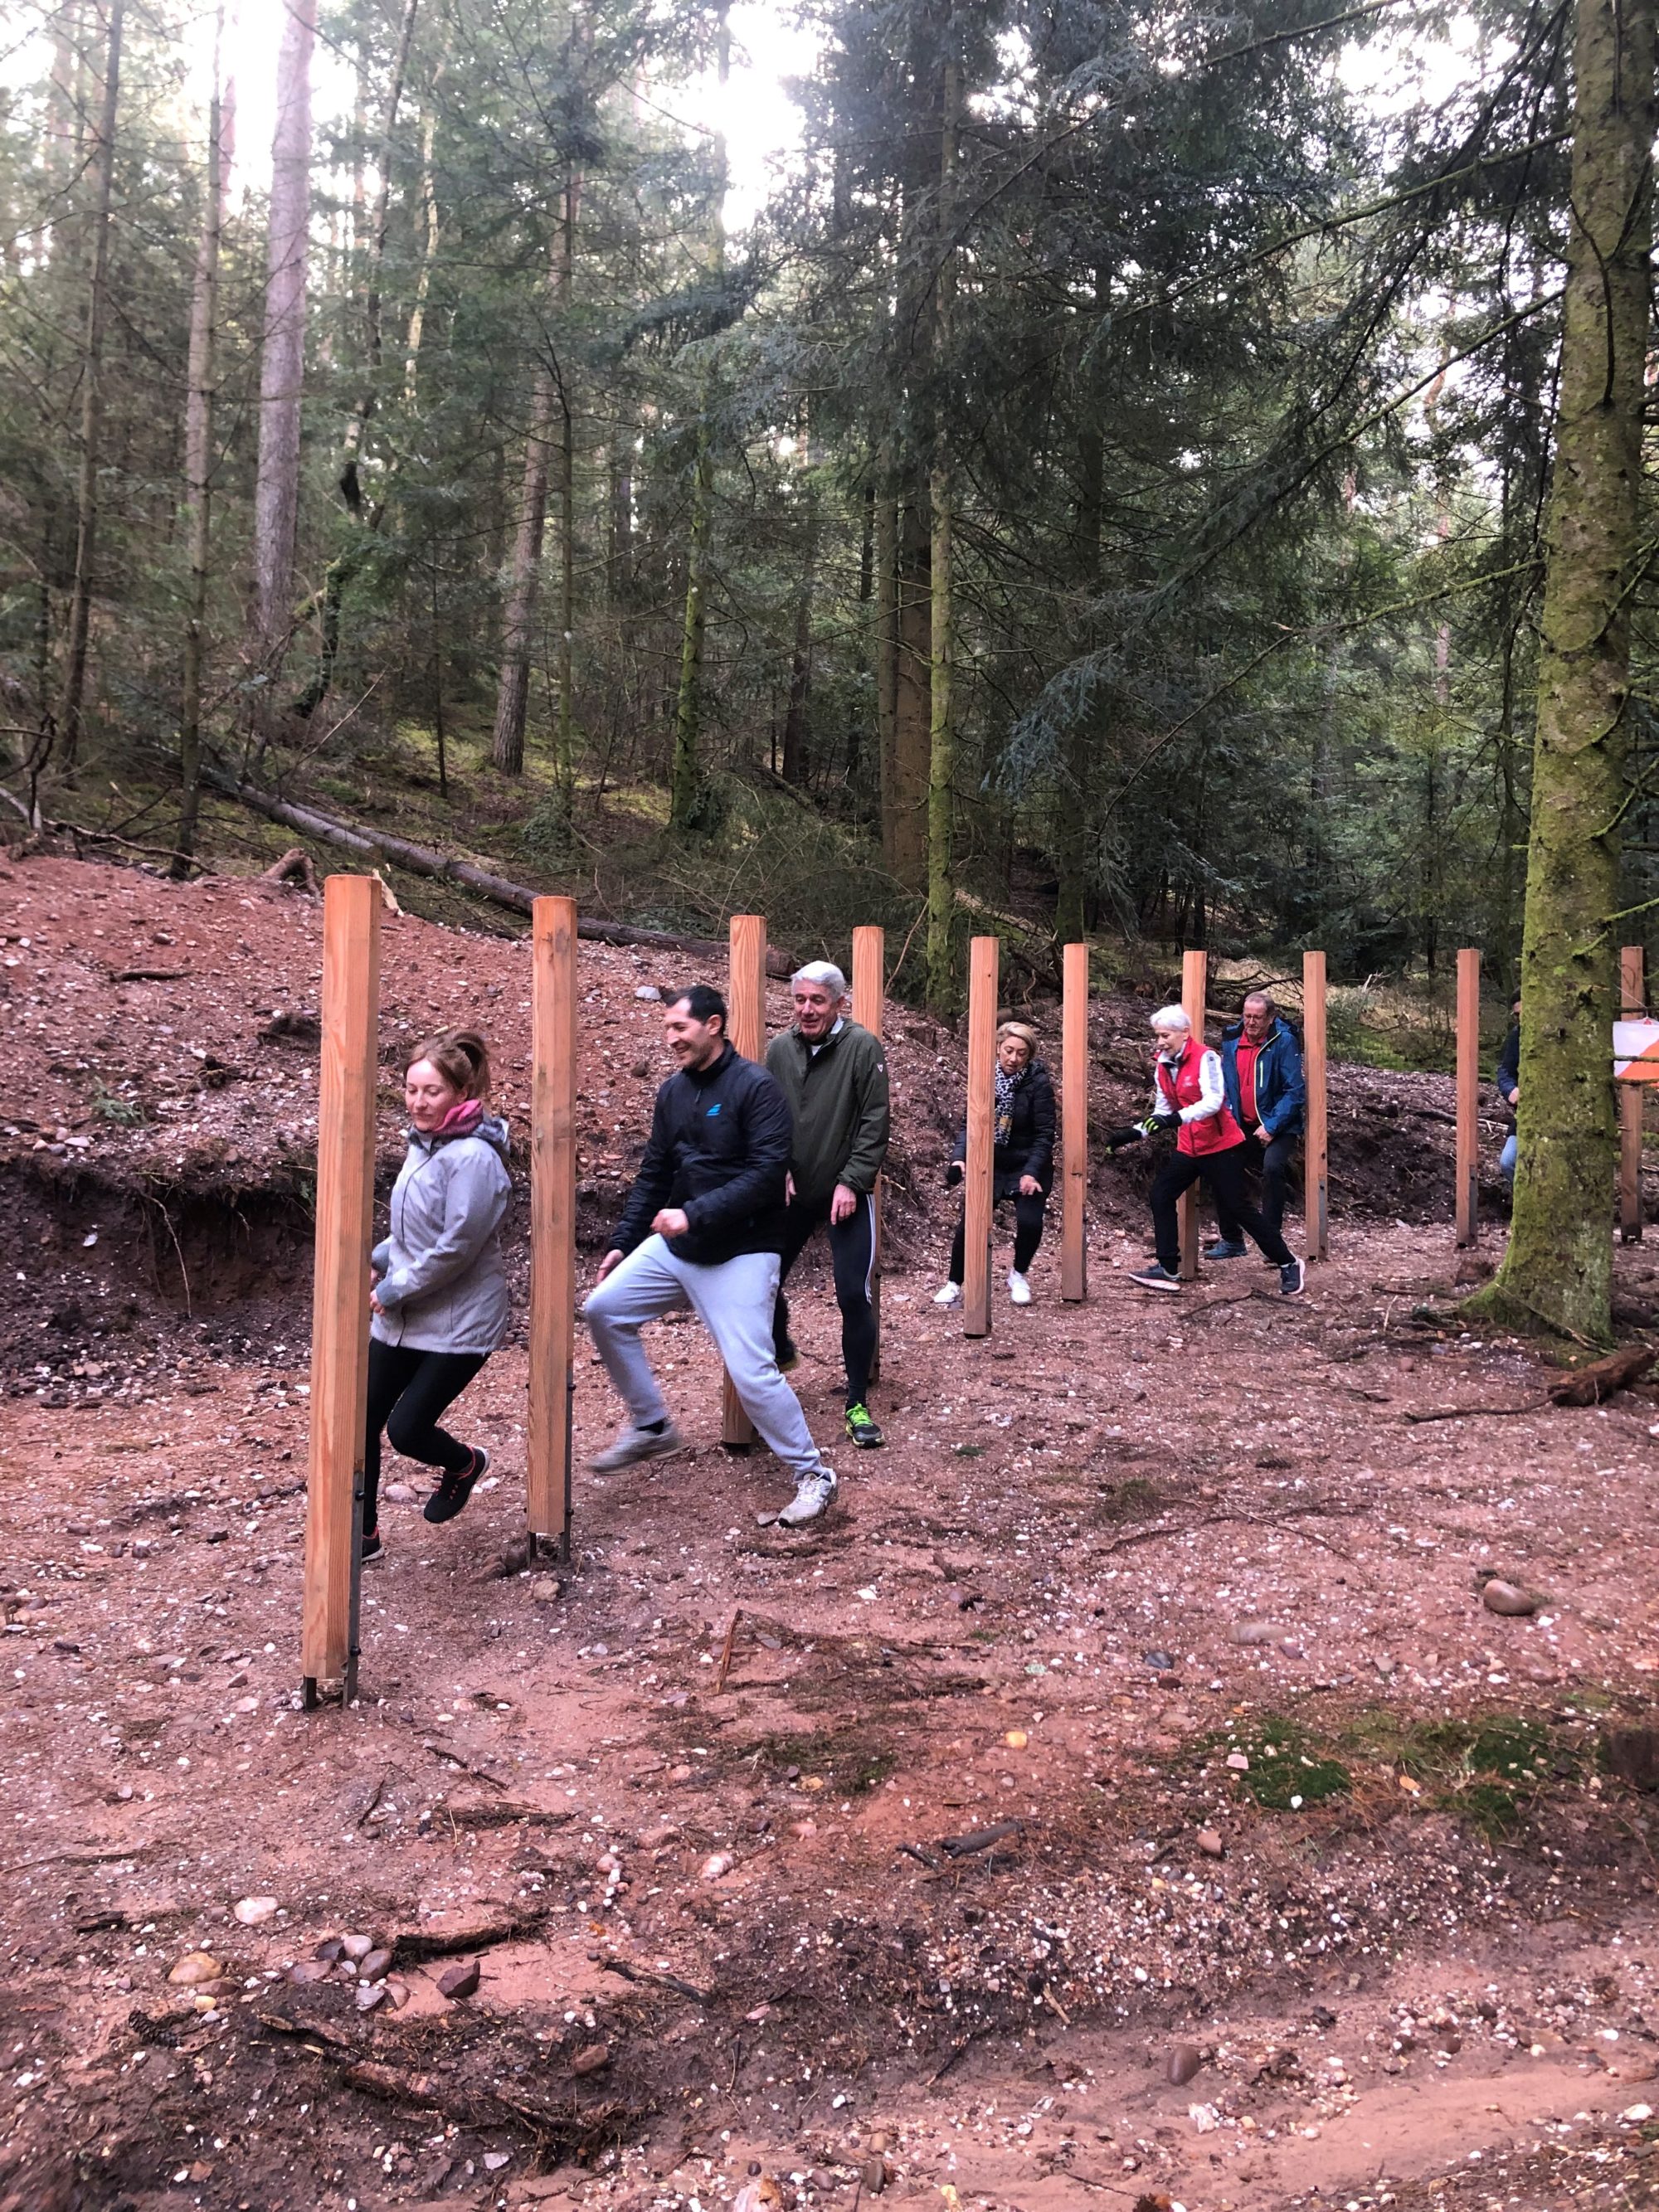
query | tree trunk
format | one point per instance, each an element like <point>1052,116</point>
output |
<point>1074,833</point>
<point>941,762</point>
<point>941,727</point>
<point>518,620</point>
<point>912,703</point>
<point>198,460</point>
<point>374,334</point>
<point>283,360</point>
<point>565,755</point>
<point>429,255</point>
<point>551,398</point>
<point>1558,1266</point>
<point>686,774</point>
<point>686,778</point>
<point>885,660</point>
<point>796,764</point>
<point>92,399</point>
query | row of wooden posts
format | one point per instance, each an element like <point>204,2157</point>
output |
<point>345,1194</point>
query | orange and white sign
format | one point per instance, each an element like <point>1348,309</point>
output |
<point>1636,1052</point>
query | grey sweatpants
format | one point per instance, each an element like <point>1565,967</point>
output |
<point>734,1303</point>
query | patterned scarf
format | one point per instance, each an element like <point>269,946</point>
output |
<point>1007,1087</point>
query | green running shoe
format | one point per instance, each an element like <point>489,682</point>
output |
<point>862,1429</point>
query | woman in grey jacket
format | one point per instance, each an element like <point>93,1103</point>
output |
<point>440,1296</point>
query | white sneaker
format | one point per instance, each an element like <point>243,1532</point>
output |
<point>814,1495</point>
<point>1019,1291</point>
<point>633,1445</point>
<point>949,1295</point>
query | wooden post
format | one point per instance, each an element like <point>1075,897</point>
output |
<point>869,1010</point>
<point>339,1304</point>
<point>1632,992</point>
<point>746,997</point>
<point>1468,1096</point>
<point>983,955</point>
<point>1194,990</point>
<point>552,1220</point>
<point>1315,1139</point>
<point>1075,1125</point>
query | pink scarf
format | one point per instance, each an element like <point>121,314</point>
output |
<point>462,1120</point>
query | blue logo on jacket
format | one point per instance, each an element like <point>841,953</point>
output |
<point>715,1109</point>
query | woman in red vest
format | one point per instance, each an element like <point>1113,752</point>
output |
<point>1188,1098</point>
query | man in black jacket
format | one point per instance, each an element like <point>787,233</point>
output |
<point>703,1227</point>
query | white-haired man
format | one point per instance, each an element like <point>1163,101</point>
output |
<point>1188,1097</point>
<point>834,1073</point>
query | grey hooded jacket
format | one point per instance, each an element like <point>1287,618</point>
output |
<point>443,1284</point>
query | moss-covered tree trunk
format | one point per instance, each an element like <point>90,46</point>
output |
<point>1559,1266</point>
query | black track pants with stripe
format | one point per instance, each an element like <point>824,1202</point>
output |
<point>851,1253</point>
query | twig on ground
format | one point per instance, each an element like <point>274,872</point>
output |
<point>725,1666</point>
<point>415,1944</point>
<point>1468,1412</point>
<point>647,1976</point>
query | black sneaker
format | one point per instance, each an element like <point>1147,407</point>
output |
<point>1293,1279</point>
<point>1157,1277</point>
<point>452,1492</point>
<point>862,1428</point>
<point>1224,1248</point>
<point>372,1546</point>
<point>788,1357</point>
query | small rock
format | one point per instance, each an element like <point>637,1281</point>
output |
<point>330,1948</point>
<point>545,1589</point>
<point>370,1994</point>
<point>762,2195</point>
<point>1204,2117</point>
<point>1161,1662</point>
<point>400,1493</point>
<point>873,2175</point>
<point>642,1070</point>
<point>305,1970</point>
<point>1238,1762</point>
<point>254,1911</point>
<point>1506,1598</point>
<point>355,1947</point>
<point>1016,1739</point>
<point>647,991</point>
<point>1182,2064</point>
<point>459,1981</point>
<point>496,2159</point>
<point>716,1865</point>
<point>1635,2113</point>
<point>1250,1632</point>
<point>592,2058</point>
<point>374,1967</point>
<point>195,1968</point>
<point>397,1993</point>
<point>1209,1842</point>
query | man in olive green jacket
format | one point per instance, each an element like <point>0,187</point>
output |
<point>834,1075</point>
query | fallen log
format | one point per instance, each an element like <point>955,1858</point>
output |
<point>427,860</point>
<point>1589,1385</point>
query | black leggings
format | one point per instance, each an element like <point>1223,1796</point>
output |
<point>1224,1173</point>
<point>852,1254</point>
<point>407,1391</point>
<point>1028,1224</point>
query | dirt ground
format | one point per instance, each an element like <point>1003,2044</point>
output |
<point>1126,1798</point>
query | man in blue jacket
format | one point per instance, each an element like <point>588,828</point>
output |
<point>703,1227</point>
<point>1261,1074</point>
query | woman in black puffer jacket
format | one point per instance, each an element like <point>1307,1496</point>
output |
<point>1022,1164</point>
